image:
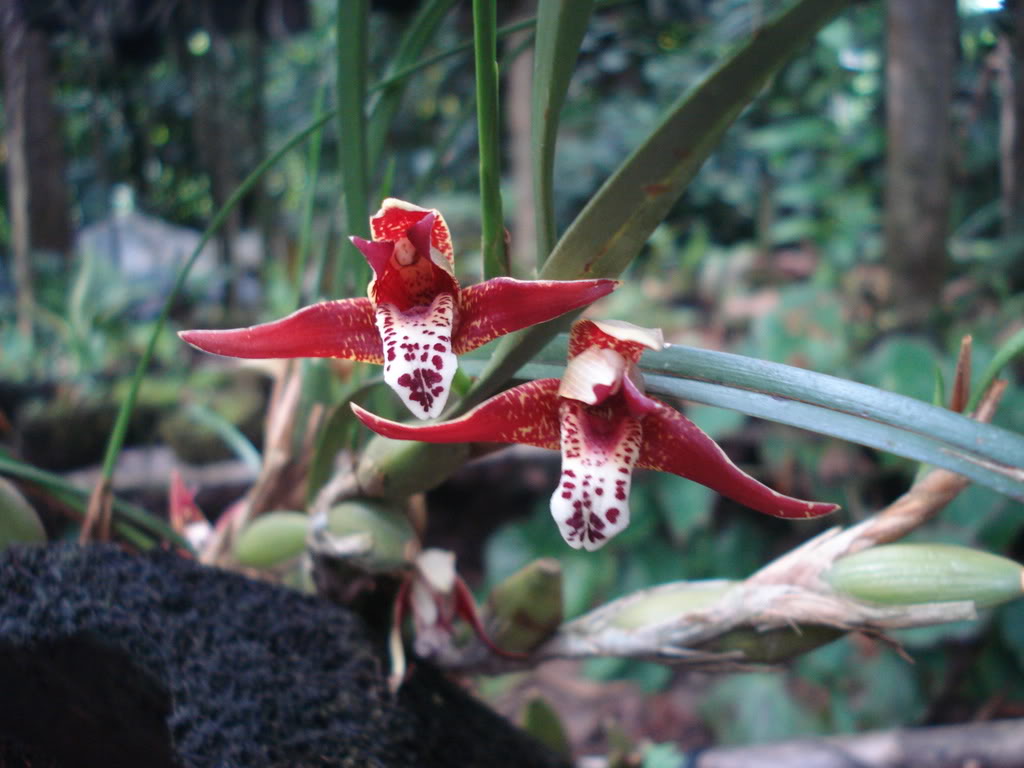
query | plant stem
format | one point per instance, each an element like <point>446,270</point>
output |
<point>352,33</point>
<point>495,258</point>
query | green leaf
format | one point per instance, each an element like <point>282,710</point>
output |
<point>561,25</point>
<point>19,523</point>
<point>828,405</point>
<point>1013,347</point>
<point>410,47</point>
<point>352,35</point>
<point>228,432</point>
<point>272,539</point>
<point>117,434</point>
<point>131,522</point>
<point>613,227</point>
<point>492,223</point>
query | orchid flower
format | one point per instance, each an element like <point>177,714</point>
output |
<point>605,425</point>
<point>416,319</point>
<point>434,594</point>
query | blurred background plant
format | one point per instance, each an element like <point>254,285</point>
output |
<point>131,125</point>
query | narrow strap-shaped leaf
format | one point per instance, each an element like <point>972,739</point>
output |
<point>1014,346</point>
<point>415,37</point>
<point>612,228</point>
<point>493,308</point>
<point>561,25</point>
<point>489,138</point>
<point>815,418</point>
<point>352,33</point>
<point>988,442</point>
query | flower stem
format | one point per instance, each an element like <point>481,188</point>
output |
<point>495,257</point>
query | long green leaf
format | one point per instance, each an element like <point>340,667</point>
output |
<point>129,520</point>
<point>561,25</point>
<point>1014,346</point>
<point>352,32</point>
<point>771,405</point>
<point>492,223</point>
<point>613,227</point>
<point>228,432</point>
<point>117,434</point>
<point>410,47</point>
<point>309,201</point>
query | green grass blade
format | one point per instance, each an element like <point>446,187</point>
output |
<point>309,201</point>
<point>229,433</point>
<point>352,271</point>
<point>120,429</point>
<point>129,520</point>
<point>561,25</point>
<point>410,47</point>
<point>1014,346</point>
<point>613,227</point>
<point>492,224</point>
<point>771,406</point>
<point>335,434</point>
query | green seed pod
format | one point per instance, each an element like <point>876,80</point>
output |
<point>396,469</point>
<point>391,540</point>
<point>525,609</point>
<point>903,574</point>
<point>19,523</point>
<point>775,645</point>
<point>541,721</point>
<point>272,539</point>
<point>668,601</point>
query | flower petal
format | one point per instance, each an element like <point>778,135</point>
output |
<point>599,449</point>
<point>377,253</point>
<point>343,329</point>
<point>418,359</point>
<point>673,443</point>
<point>527,414</point>
<point>593,376</point>
<point>493,308</point>
<point>625,338</point>
<point>395,217</point>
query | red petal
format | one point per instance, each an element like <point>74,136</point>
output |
<point>673,443</point>
<point>465,606</point>
<point>527,414</point>
<point>502,305</point>
<point>395,217</point>
<point>343,329</point>
<point>377,254</point>
<point>630,342</point>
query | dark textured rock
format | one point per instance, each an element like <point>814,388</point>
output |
<point>119,660</point>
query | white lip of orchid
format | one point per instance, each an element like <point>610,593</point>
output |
<point>405,252</point>
<point>592,368</point>
<point>652,338</point>
<point>437,567</point>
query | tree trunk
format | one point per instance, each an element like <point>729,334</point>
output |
<point>921,54</point>
<point>1011,124</point>
<point>15,41</point>
<point>519,85</point>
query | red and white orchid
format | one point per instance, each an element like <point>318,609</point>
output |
<point>605,426</point>
<point>416,319</point>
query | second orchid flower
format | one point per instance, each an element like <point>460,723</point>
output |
<point>605,425</point>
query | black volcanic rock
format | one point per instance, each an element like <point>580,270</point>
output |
<point>113,659</point>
